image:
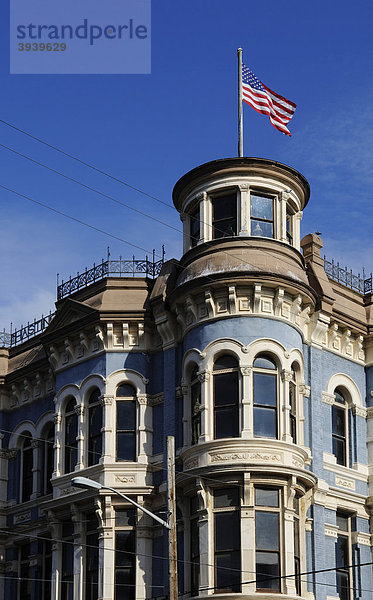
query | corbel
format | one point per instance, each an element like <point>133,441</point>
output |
<point>209,303</point>
<point>279,298</point>
<point>54,356</point>
<point>232,299</point>
<point>257,297</point>
<point>296,308</point>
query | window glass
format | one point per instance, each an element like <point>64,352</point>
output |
<point>267,571</point>
<point>342,521</point>
<point>227,551</point>
<point>125,390</point>
<point>226,410</point>
<point>261,216</point>
<point>339,397</point>
<point>265,389</point>
<point>224,218</point>
<point>91,557</point>
<point>264,362</point>
<point>226,361</point>
<point>265,422</point>
<point>125,548</point>
<point>226,497</point>
<point>194,227</point>
<point>124,518</point>
<point>261,207</point>
<point>266,497</point>
<point>27,465</point>
<point>94,428</point>
<point>266,530</point>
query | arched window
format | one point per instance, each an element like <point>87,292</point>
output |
<point>265,397</point>
<point>71,432</point>
<point>47,460</point>
<point>126,422</point>
<point>94,428</point>
<point>195,408</point>
<point>226,406</point>
<point>26,467</point>
<point>340,428</point>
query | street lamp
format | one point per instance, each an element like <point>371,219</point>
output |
<point>85,483</point>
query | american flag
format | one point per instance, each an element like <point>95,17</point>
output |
<point>265,101</point>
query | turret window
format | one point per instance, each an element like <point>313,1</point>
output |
<point>224,216</point>
<point>267,539</point>
<point>194,227</point>
<point>261,208</point>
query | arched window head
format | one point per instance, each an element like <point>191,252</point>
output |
<point>94,428</point>
<point>47,460</point>
<point>265,397</point>
<point>71,432</point>
<point>26,467</point>
<point>126,422</point>
<point>226,391</point>
<point>195,406</point>
<point>340,428</point>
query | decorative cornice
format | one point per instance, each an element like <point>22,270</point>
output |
<point>359,411</point>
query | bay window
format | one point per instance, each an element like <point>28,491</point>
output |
<point>267,539</point>
<point>125,548</point>
<point>226,389</point>
<point>126,422</point>
<point>195,408</point>
<point>265,397</point>
<point>227,539</point>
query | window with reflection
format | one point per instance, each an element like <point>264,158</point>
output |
<point>262,219</point>
<point>26,467</point>
<point>91,556</point>
<point>343,556</point>
<point>195,398</point>
<point>267,539</point>
<point>125,548</point>
<point>226,392</point>
<point>265,397</point>
<point>126,422</point>
<point>94,428</point>
<point>293,405</point>
<point>47,460</point>
<point>340,428</point>
<point>289,228</point>
<point>67,566</point>
<point>227,539</point>
<point>43,583</point>
<point>194,546</point>
<point>224,216</point>
<point>194,219</point>
<point>25,572</point>
<point>297,570</point>
<point>71,433</point>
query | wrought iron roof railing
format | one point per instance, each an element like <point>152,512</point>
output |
<point>107,268</point>
<point>25,332</point>
<point>343,275</point>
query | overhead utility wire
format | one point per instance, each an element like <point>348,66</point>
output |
<point>267,578</point>
<point>59,212</point>
<point>92,189</point>
<point>86,164</point>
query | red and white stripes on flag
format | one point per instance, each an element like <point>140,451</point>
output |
<point>266,101</point>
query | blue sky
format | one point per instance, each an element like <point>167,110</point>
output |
<point>150,129</point>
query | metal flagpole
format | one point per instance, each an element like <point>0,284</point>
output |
<point>240,115</point>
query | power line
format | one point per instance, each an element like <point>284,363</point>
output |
<point>92,189</point>
<point>86,164</point>
<point>59,212</point>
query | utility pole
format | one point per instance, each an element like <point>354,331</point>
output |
<point>171,505</point>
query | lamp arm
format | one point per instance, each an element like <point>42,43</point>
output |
<point>144,510</point>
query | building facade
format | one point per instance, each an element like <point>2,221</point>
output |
<point>255,354</point>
